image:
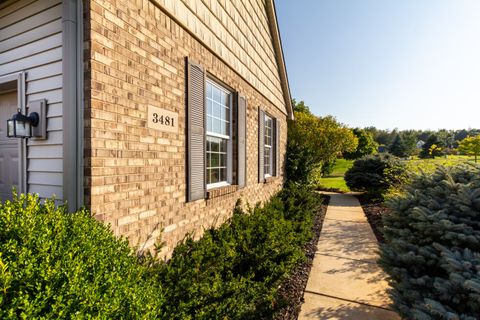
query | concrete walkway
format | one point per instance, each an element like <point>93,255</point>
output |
<point>345,281</point>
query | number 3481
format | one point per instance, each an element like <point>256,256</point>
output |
<point>164,120</point>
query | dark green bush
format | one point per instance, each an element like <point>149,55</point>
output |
<point>327,168</point>
<point>56,265</point>
<point>59,265</point>
<point>432,249</point>
<point>375,174</point>
<point>234,272</point>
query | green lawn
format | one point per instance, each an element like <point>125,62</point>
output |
<point>336,181</point>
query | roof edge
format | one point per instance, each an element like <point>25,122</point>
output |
<point>277,45</point>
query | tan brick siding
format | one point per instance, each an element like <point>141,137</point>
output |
<point>135,176</point>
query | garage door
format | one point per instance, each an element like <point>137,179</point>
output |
<point>9,172</point>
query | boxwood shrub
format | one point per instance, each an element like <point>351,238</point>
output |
<point>432,249</point>
<point>55,265</point>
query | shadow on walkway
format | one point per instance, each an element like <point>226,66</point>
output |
<point>345,281</point>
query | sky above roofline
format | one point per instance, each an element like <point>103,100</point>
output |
<point>404,64</point>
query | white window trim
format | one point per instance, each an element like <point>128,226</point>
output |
<point>18,81</point>
<point>228,138</point>
<point>270,147</point>
<point>218,185</point>
<point>217,135</point>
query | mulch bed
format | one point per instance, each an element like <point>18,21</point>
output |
<point>337,190</point>
<point>374,210</point>
<point>291,291</point>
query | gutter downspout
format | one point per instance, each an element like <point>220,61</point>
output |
<point>72,104</point>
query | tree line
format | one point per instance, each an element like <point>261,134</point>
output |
<point>314,143</point>
<point>424,143</point>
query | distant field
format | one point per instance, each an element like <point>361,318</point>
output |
<point>428,165</point>
<point>336,181</point>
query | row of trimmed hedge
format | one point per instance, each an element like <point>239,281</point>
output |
<point>57,265</point>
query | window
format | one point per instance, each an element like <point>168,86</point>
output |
<point>213,137</point>
<point>268,142</point>
<point>268,147</point>
<point>218,141</point>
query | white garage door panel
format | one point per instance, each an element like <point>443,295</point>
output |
<point>8,147</point>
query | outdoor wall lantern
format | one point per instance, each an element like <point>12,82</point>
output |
<point>32,125</point>
<point>20,126</point>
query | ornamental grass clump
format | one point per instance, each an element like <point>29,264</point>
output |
<point>57,265</point>
<point>432,249</point>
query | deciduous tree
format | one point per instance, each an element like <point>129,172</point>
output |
<point>366,145</point>
<point>313,141</point>
<point>470,146</point>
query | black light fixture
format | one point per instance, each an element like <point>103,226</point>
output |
<point>20,126</point>
<point>33,124</point>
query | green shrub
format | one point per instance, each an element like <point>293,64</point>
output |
<point>58,265</point>
<point>375,174</point>
<point>327,168</point>
<point>432,250</point>
<point>234,272</point>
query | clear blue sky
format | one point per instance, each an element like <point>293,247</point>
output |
<point>385,63</point>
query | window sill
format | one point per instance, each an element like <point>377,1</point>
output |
<point>221,191</point>
<point>269,179</point>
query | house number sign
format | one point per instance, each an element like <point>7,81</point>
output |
<point>161,119</point>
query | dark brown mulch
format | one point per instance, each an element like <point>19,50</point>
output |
<point>292,289</point>
<point>374,210</point>
<point>337,190</point>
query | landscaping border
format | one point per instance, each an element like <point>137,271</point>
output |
<point>292,289</point>
<point>374,211</point>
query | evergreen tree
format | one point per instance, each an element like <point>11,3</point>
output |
<point>432,249</point>
<point>410,139</point>
<point>398,148</point>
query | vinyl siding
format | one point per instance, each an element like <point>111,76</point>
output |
<point>31,41</point>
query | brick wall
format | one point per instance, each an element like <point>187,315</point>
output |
<point>135,176</point>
